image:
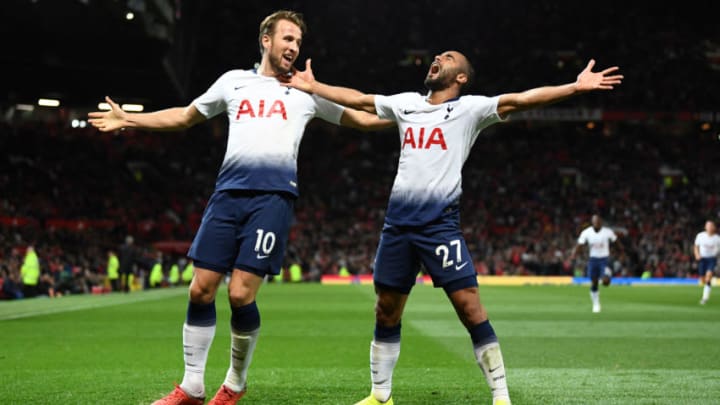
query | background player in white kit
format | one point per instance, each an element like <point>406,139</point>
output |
<point>598,238</point>
<point>422,224</point>
<point>706,249</point>
<point>245,225</point>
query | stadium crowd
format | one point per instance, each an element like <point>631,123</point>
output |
<point>529,186</point>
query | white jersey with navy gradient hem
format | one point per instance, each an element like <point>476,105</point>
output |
<point>708,245</point>
<point>435,142</point>
<point>266,124</point>
<point>597,241</point>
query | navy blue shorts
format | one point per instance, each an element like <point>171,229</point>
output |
<point>596,266</point>
<point>706,264</point>
<point>244,230</point>
<point>440,247</point>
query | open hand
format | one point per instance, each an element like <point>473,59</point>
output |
<point>301,80</point>
<point>588,80</point>
<point>107,121</point>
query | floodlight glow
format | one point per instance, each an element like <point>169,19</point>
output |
<point>24,107</point>
<point>48,102</point>
<point>133,107</point>
<point>104,106</point>
<point>129,16</point>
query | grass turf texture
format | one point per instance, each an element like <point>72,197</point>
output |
<point>650,345</point>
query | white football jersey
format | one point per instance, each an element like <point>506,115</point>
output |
<point>598,241</point>
<point>709,245</point>
<point>435,142</point>
<point>266,124</point>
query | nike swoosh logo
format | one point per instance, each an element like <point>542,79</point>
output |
<point>460,266</point>
<point>491,370</point>
<point>259,256</point>
<point>408,111</point>
<point>238,88</point>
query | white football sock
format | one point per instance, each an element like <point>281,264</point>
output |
<point>706,292</point>
<point>489,358</point>
<point>196,345</point>
<point>241,351</point>
<point>595,297</point>
<point>383,357</point>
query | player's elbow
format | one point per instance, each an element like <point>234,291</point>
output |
<point>364,102</point>
<point>521,101</point>
<point>362,120</point>
<point>510,103</point>
<point>189,117</point>
<point>373,123</point>
<point>185,124</point>
<point>380,125</point>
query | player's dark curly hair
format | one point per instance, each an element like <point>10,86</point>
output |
<point>470,73</point>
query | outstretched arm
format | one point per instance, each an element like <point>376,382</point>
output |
<point>618,246</point>
<point>586,81</point>
<point>364,121</point>
<point>305,81</point>
<point>171,119</point>
<point>575,250</point>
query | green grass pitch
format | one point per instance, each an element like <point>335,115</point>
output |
<point>650,345</point>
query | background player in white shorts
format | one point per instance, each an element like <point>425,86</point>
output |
<point>245,225</point>
<point>598,238</point>
<point>706,249</point>
<point>437,131</point>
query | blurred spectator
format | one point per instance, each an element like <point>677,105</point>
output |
<point>157,277</point>
<point>174,273</point>
<point>11,287</point>
<point>188,271</point>
<point>113,267</point>
<point>30,272</point>
<point>128,257</point>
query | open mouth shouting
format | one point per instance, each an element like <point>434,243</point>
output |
<point>434,70</point>
<point>288,59</point>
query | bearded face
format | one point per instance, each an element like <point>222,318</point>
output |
<point>441,75</point>
<point>283,46</point>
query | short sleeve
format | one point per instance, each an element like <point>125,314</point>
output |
<point>582,239</point>
<point>388,107</point>
<point>327,110</point>
<point>613,236</point>
<point>212,102</point>
<point>484,111</point>
<point>385,107</point>
<point>697,239</point>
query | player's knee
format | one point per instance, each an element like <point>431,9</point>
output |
<point>386,314</point>
<point>472,314</point>
<point>240,295</point>
<point>202,293</point>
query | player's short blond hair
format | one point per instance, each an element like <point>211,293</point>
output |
<point>267,26</point>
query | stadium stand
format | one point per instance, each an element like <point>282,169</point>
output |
<point>638,156</point>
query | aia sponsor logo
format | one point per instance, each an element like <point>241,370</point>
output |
<point>422,138</point>
<point>262,110</point>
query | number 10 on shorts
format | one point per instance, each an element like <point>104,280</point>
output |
<point>264,243</point>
